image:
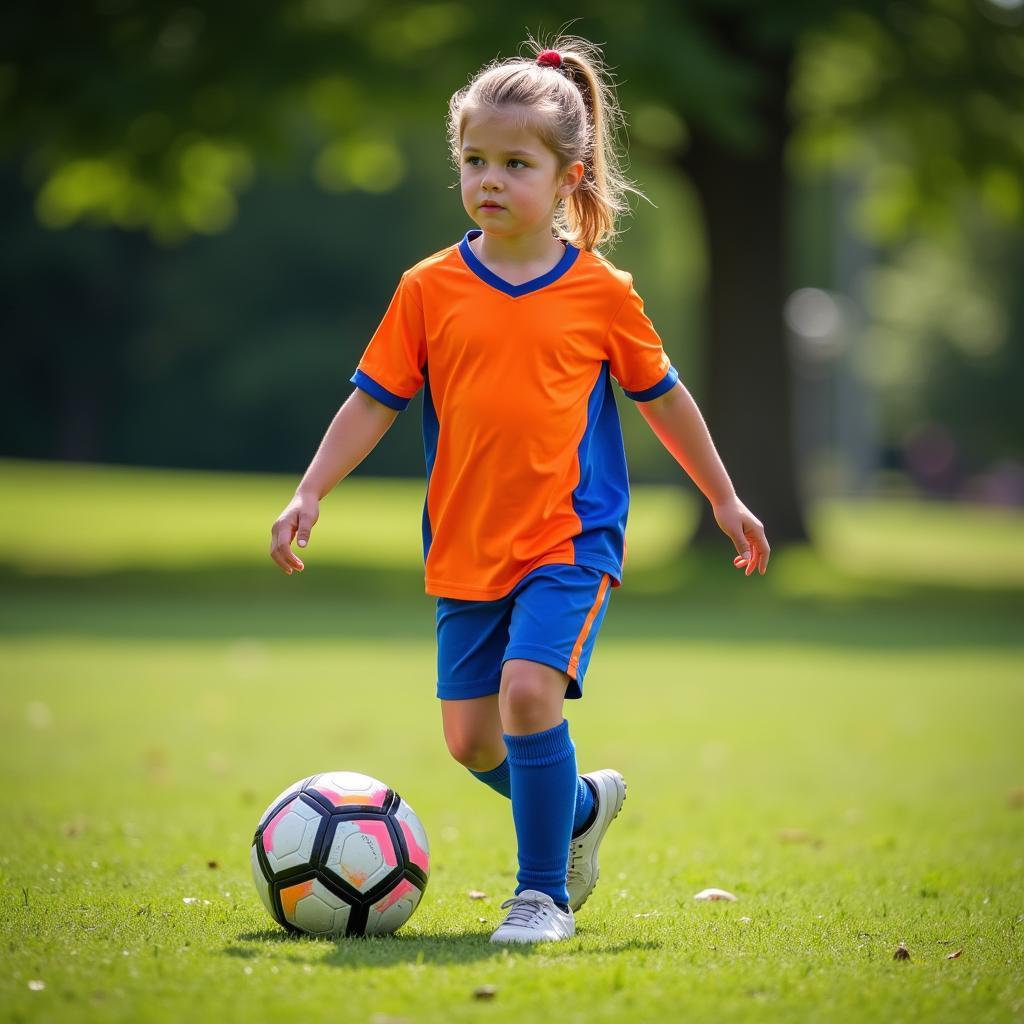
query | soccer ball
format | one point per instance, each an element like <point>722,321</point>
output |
<point>340,854</point>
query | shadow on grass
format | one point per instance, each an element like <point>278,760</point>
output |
<point>388,950</point>
<point>696,596</point>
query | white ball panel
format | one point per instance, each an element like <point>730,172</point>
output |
<point>419,847</point>
<point>350,788</point>
<point>280,796</point>
<point>321,912</point>
<point>392,911</point>
<point>262,887</point>
<point>353,782</point>
<point>289,836</point>
<point>361,853</point>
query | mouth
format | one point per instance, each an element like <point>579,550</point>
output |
<point>491,206</point>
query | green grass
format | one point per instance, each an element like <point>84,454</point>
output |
<point>838,743</point>
<point>85,519</point>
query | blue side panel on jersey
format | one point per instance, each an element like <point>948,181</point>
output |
<point>601,498</point>
<point>430,432</point>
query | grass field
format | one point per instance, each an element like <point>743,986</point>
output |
<point>838,743</point>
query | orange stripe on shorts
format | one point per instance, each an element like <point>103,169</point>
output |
<point>574,658</point>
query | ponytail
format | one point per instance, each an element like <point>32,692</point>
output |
<point>575,112</point>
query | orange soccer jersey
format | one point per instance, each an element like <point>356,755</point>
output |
<point>524,453</point>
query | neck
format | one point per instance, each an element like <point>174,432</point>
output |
<point>529,247</point>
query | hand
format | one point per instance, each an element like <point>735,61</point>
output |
<point>296,520</point>
<point>747,534</point>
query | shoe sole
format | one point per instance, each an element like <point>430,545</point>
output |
<point>523,940</point>
<point>609,779</point>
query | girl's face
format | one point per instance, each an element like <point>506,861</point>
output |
<point>511,183</point>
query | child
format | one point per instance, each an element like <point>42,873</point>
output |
<point>515,334</point>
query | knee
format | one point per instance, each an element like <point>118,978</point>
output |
<point>530,696</point>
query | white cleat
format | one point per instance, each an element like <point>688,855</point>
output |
<point>533,917</point>
<point>610,790</point>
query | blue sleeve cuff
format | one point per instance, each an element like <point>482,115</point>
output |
<point>665,384</point>
<point>366,383</point>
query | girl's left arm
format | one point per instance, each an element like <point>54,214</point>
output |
<point>680,427</point>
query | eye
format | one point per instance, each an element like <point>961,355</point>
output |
<point>516,160</point>
<point>474,161</point>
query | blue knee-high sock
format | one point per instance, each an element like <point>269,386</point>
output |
<point>584,806</point>
<point>498,780</point>
<point>545,785</point>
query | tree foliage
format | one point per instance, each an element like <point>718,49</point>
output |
<point>153,114</point>
<point>154,117</point>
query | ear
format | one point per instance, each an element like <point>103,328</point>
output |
<point>570,179</point>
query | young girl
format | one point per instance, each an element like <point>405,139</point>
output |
<point>515,334</point>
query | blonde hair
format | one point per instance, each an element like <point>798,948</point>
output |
<point>574,111</point>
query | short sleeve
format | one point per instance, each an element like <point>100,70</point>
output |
<point>391,368</point>
<point>638,360</point>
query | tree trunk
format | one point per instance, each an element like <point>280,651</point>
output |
<point>747,395</point>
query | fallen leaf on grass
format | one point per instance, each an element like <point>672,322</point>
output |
<point>902,953</point>
<point>212,864</point>
<point>714,894</point>
<point>746,920</point>
<point>476,894</point>
<point>36,985</point>
<point>955,955</point>
<point>799,835</point>
<point>485,992</point>
<point>157,765</point>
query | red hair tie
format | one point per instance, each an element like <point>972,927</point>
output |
<point>549,59</point>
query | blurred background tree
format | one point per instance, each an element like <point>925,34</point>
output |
<point>858,166</point>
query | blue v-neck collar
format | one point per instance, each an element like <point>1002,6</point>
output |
<point>515,290</point>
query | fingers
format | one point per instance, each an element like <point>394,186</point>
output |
<point>306,522</point>
<point>739,542</point>
<point>281,536</point>
<point>754,551</point>
<point>756,558</point>
<point>760,546</point>
<point>746,532</point>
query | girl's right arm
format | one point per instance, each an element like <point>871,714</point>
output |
<point>354,432</point>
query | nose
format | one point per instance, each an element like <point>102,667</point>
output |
<point>491,181</point>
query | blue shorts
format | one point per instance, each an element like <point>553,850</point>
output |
<point>552,615</point>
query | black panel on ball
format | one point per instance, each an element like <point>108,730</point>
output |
<point>357,922</point>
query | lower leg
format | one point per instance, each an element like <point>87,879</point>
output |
<point>544,780</point>
<point>473,732</point>
<point>500,780</point>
